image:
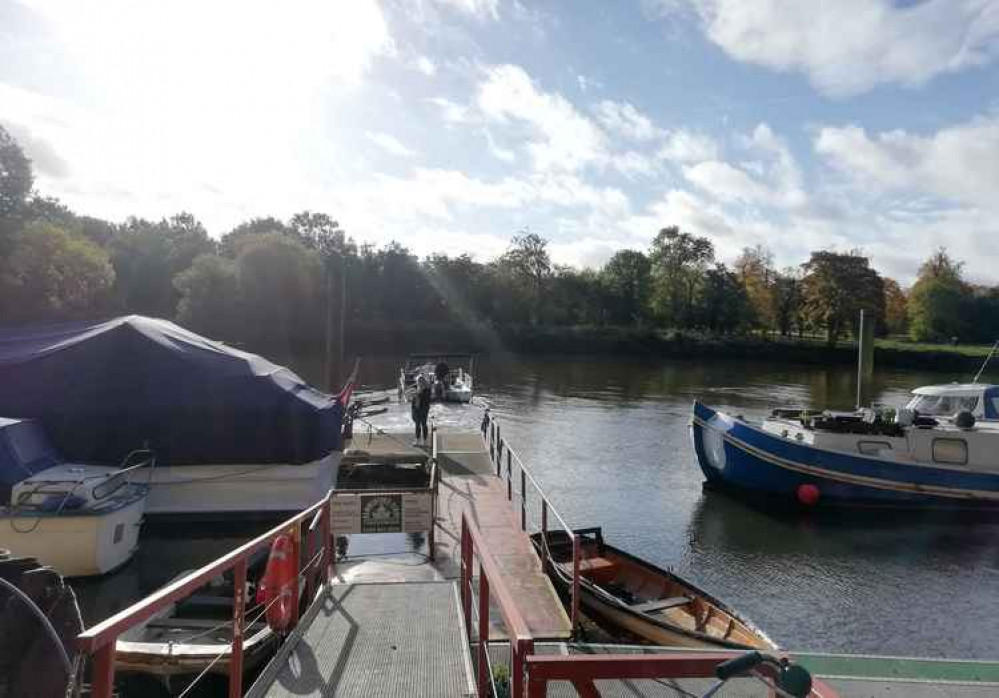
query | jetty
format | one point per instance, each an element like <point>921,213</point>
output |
<point>473,615</point>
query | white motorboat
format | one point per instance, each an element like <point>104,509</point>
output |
<point>945,400</point>
<point>79,519</point>
<point>235,435</point>
<point>448,380</point>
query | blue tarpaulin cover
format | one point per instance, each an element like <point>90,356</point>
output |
<point>103,389</point>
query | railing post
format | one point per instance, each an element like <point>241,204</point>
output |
<point>499,442</point>
<point>509,476</point>
<point>574,617</point>
<point>544,517</point>
<point>296,555</point>
<point>523,500</point>
<point>238,608</point>
<point>483,664</point>
<point>519,651</point>
<point>328,560</point>
<point>102,678</point>
<point>466,573</point>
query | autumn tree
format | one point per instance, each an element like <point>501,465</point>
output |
<point>835,288</point>
<point>755,270</point>
<point>896,308</point>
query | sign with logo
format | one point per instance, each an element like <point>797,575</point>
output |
<point>388,512</point>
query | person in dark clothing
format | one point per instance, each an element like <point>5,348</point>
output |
<point>421,410</point>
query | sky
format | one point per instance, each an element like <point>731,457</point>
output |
<point>450,125</point>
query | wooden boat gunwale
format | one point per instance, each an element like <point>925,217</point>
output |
<point>600,595</point>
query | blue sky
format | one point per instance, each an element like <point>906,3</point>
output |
<point>449,125</point>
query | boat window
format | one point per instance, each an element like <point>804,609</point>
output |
<point>950,451</point>
<point>942,405</point>
<point>873,448</point>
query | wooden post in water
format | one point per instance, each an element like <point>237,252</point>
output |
<point>865,358</point>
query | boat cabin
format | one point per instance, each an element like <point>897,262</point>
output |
<point>981,399</point>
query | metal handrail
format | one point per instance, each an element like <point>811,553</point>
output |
<point>99,641</point>
<point>491,582</point>
<point>492,434</point>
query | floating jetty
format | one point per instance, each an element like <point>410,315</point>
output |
<point>475,615</point>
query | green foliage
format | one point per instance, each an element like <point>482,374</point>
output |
<point>679,261</point>
<point>211,298</point>
<point>528,262</point>
<point>147,256</point>
<point>836,287</point>
<point>16,177</point>
<point>52,274</point>
<point>936,310</point>
<point>723,305</point>
<point>278,282</point>
<point>627,278</point>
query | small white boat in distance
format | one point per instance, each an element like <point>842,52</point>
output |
<point>449,381</point>
<point>81,520</point>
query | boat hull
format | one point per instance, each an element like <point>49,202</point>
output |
<point>81,545</point>
<point>742,458</point>
<point>239,491</point>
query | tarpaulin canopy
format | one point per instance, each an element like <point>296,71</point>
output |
<point>103,389</point>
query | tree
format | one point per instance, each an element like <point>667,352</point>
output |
<point>147,256</point>
<point>16,177</point>
<point>754,267</point>
<point>278,280</point>
<point>896,308</point>
<point>320,232</point>
<point>627,278</point>
<point>722,304</point>
<point>836,287</point>
<point>210,300</point>
<point>528,259</point>
<point>232,243</point>
<point>787,301</point>
<point>679,261</point>
<point>938,300</point>
<point>52,274</point>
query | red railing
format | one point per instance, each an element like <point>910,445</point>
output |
<point>98,642</point>
<point>491,585</point>
<point>492,433</point>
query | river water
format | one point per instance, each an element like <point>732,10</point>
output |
<point>608,439</point>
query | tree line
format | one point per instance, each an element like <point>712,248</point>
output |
<point>270,281</point>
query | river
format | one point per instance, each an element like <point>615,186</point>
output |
<point>608,439</point>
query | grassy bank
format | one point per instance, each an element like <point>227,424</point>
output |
<point>371,338</point>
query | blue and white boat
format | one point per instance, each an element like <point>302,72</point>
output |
<point>940,450</point>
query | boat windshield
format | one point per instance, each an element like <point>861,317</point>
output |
<point>942,405</point>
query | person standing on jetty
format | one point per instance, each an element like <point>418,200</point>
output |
<point>421,410</point>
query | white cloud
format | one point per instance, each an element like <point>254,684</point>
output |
<point>480,9</point>
<point>564,138</point>
<point>425,66</point>
<point>451,112</point>
<point>624,120</point>
<point>500,153</point>
<point>633,164</point>
<point>958,163</point>
<point>685,146</point>
<point>850,46</point>
<point>726,182</point>
<point>390,144</point>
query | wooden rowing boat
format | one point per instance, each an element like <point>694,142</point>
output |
<point>622,592</point>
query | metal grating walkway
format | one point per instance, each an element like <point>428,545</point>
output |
<point>375,640</point>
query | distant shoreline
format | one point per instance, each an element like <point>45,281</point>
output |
<point>372,339</point>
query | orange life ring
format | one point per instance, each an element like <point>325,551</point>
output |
<point>278,583</point>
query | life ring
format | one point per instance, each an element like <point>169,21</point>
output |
<point>276,586</point>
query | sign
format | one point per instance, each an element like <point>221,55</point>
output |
<point>382,512</point>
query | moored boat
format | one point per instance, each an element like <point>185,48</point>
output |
<point>450,376</point>
<point>193,636</point>
<point>626,593</point>
<point>80,519</point>
<point>869,456</point>
<point>235,435</point>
